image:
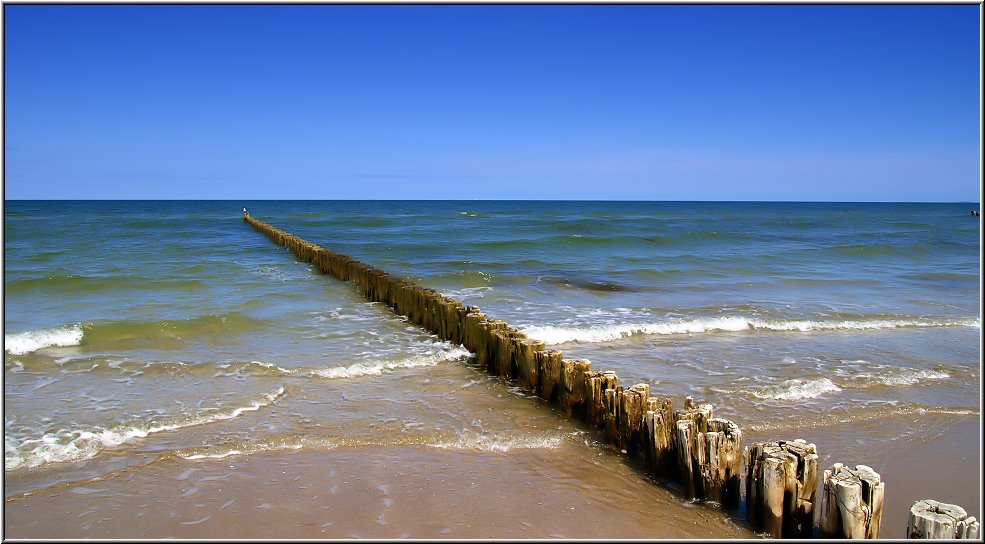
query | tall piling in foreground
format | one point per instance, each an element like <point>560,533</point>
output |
<point>781,483</point>
<point>699,451</point>
<point>851,506</point>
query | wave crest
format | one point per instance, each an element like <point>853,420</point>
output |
<point>606,333</point>
<point>428,358</point>
<point>499,444</point>
<point>79,444</point>
<point>30,341</point>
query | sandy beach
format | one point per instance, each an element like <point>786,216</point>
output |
<point>371,493</point>
<point>427,493</point>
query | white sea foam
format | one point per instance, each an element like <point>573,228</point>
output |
<point>609,332</point>
<point>466,292</point>
<point>375,368</point>
<point>284,444</point>
<point>30,341</point>
<point>901,377</point>
<point>489,443</point>
<point>796,389</point>
<point>78,444</point>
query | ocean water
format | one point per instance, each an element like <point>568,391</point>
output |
<point>139,334</point>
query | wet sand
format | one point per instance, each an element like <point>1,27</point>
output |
<point>422,492</point>
<point>371,493</point>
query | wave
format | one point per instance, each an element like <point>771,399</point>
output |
<point>426,355</point>
<point>429,358</point>
<point>609,332</point>
<point>842,379</point>
<point>262,446</point>
<point>114,332</point>
<point>796,389</point>
<point>499,444</point>
<point>466,292</point>
<point>892,378</point>
<point>859,413</point>
<point>467,441</point>
<point>30,341</point>
<point>80,444</point>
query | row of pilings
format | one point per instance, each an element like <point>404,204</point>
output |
<point>702,453</point>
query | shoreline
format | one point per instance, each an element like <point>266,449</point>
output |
<point>391,492</point>
<point>385,491</point>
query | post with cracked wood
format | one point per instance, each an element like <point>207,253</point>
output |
<point>709,454</point>
<point>851,504</point>
<point>781,484</point>
<point>938,520</point>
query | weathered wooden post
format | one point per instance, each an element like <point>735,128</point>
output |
<point>549,374</point>
<point>661,436</point>
<point>938,520</point>
<point>632,407</point>
<point>721,470</point>
<point>611,399</point>
<point>573,387</point>
<point>781,484</point>
<point>596,383</point>
<point>691,424</point>
<point>485,350</point>
<point>527,372</point>
<point>851,503</point>
<point>473,329</point>
<point>505,343</point>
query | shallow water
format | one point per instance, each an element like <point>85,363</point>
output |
<point>146,339</point>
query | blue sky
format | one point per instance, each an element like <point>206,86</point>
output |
<point>644,102</point>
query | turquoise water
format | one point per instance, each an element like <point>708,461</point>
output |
<point>136,330</point>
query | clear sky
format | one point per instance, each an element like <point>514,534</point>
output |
<point>644,102</point>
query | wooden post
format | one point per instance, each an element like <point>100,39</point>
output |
<point>485,349</point>
<point>938,520</point>
<point>505,343</point>
<point>691,424</point>
<point>781,483</point>
<point>596,382</point>
<point>549,374</point>
<point>472,330</point>
<point>851,504</point>
<point>527,371</point>
<point>572,387</point>
<point>721,471</point>
<point>661,436</point>
<point>632,407</point>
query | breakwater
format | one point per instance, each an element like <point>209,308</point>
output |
<point>687,445</point>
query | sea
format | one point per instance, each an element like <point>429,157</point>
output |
<point>170,372</point>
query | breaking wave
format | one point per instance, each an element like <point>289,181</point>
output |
<point>428,358</point>
<point>499,444</point>
<point>121,332</point>
<point>30,341</point>
<point>79,444</point>
<point>607,333</point>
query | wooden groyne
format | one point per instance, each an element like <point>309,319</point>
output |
<point>690,446</point>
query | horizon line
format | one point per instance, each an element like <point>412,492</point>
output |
<point>479,200</point>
